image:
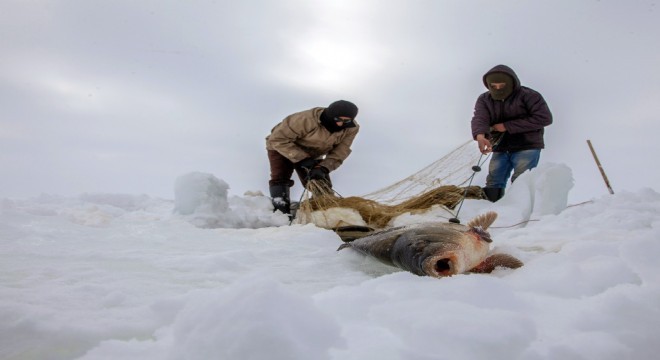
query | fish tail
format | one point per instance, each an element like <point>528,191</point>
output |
<point>483,221</point>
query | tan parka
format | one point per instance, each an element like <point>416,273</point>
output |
<point>301,135</point>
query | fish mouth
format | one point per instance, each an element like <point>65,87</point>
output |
<point>443,267</point>
<point>440,266</point>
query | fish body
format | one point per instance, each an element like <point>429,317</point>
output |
<point>432,249</point>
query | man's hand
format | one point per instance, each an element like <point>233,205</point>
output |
<point>484,144</point>
<point>319,173</point>
<point>499,127</point>
<point>307,164</point>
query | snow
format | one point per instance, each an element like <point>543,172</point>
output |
<point>215,276</point>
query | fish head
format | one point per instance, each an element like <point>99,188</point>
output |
<point>456,253</point>
<point>413,247</point>
<point>457,259</point>
<point>439,251</point>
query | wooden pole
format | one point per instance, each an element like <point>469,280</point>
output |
<point>600,167</point>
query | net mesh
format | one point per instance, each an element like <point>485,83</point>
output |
<point>442,183</point>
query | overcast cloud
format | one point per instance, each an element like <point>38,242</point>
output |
<point>125,96</point>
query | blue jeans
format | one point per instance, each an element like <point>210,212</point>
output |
<point>502,163</point>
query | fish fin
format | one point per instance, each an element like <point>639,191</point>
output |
<point>359,228</point>
<point>497,260</point>
<point>353,232</point>
<point>483,221</point>
<point>343,246</point>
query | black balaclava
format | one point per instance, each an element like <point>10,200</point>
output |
<point>338,108</point>
<point>500,77</point>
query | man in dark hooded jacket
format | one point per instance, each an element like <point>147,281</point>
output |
<point>313,142</point>
<point>508,121</point>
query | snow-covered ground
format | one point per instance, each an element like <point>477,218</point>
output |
<point>114,276</point>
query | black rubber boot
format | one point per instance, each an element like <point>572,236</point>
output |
<point>493,194</point>
<point>280,197</point>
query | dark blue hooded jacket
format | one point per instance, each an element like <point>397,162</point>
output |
<point>524,114</point>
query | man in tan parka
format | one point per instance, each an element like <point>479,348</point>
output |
<point>313,142</point>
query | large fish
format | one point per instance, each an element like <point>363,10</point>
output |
<point>436,249</point>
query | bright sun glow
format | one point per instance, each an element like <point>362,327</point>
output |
<point>333,54</point>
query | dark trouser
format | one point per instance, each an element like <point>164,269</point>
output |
<point>280,181</point>
<point>500,167</point>
<point>281,170</point>
<point>502,163</point>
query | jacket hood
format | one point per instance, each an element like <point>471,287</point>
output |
<point>503,69</point>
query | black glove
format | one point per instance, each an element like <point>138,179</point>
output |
<point>307,164</point>
<point>319,173</point>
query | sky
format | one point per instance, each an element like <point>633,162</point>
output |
<point>215,276</point>
<point>125,96</point>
